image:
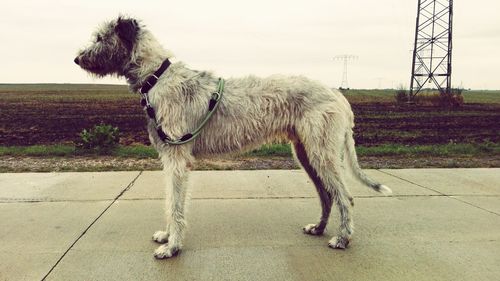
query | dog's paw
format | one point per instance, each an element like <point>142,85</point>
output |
<point>338,242</point>
<point>313,229</point>
<point>166,251</point>
<point>160,237</point>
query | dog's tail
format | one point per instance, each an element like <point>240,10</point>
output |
<point>352,159</point>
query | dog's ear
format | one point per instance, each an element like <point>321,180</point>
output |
<point>127,30</point>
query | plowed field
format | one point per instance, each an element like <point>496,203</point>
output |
<point>50,114</point>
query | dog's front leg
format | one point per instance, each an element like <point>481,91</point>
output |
<point>177,174</point>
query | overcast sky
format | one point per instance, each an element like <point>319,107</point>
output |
<point>40,38</point>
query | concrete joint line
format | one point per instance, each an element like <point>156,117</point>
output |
<point>92,223</point>
<point>46,200</point>
<point>414,183</point>
<point>305,197</point>
<point>443,194</point>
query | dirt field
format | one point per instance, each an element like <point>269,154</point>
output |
<point>385,123</point>
<point>50,114</point>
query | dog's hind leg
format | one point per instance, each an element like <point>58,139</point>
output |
<point>177,174</point>
<point>331,172</point>
<point>344,203</point>
<point>328,164</point>
<point>321,155</point>
<point>324,196</point>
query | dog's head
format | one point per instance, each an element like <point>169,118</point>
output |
<point>112,48</point>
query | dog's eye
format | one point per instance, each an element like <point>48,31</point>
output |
<point>99,38</point>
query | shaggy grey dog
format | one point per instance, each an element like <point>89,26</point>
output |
<point>316,120</point>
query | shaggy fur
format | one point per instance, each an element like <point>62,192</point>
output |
<point>253,111</point>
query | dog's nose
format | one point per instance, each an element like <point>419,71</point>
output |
<point>77,61</point>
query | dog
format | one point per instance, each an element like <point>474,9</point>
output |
<point>317,121</point>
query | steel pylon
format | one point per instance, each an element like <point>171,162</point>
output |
<point>432,50</point>
<point>345,59</point>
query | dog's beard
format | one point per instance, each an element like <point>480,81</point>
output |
<point>95,68</point>
<point>96,71</point>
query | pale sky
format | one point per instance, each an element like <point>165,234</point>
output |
<point>40,38</point>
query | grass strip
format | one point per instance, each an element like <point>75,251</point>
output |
<point>135,151</point>
<point>430,150</point>
<point>61,150</point>
<point>396,150</point>
<point>38,150</point>
<point>269,150</point>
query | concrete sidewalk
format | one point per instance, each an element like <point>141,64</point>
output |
<point>440,224</point>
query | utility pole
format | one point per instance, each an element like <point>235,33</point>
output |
<point>379,79</point>
<point>433,46</point>
<point>345,59</point>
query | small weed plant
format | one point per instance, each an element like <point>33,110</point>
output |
<point>401,95</point>
<point>101,139</point>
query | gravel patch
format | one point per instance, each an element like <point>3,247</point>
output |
<point>110,163</point>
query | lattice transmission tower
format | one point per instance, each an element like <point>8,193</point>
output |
<point>345,59</point>
<point>433,46</point>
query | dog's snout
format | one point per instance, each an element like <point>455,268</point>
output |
<point>77,61</point>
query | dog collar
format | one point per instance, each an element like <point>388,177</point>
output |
<point>151,81</point>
